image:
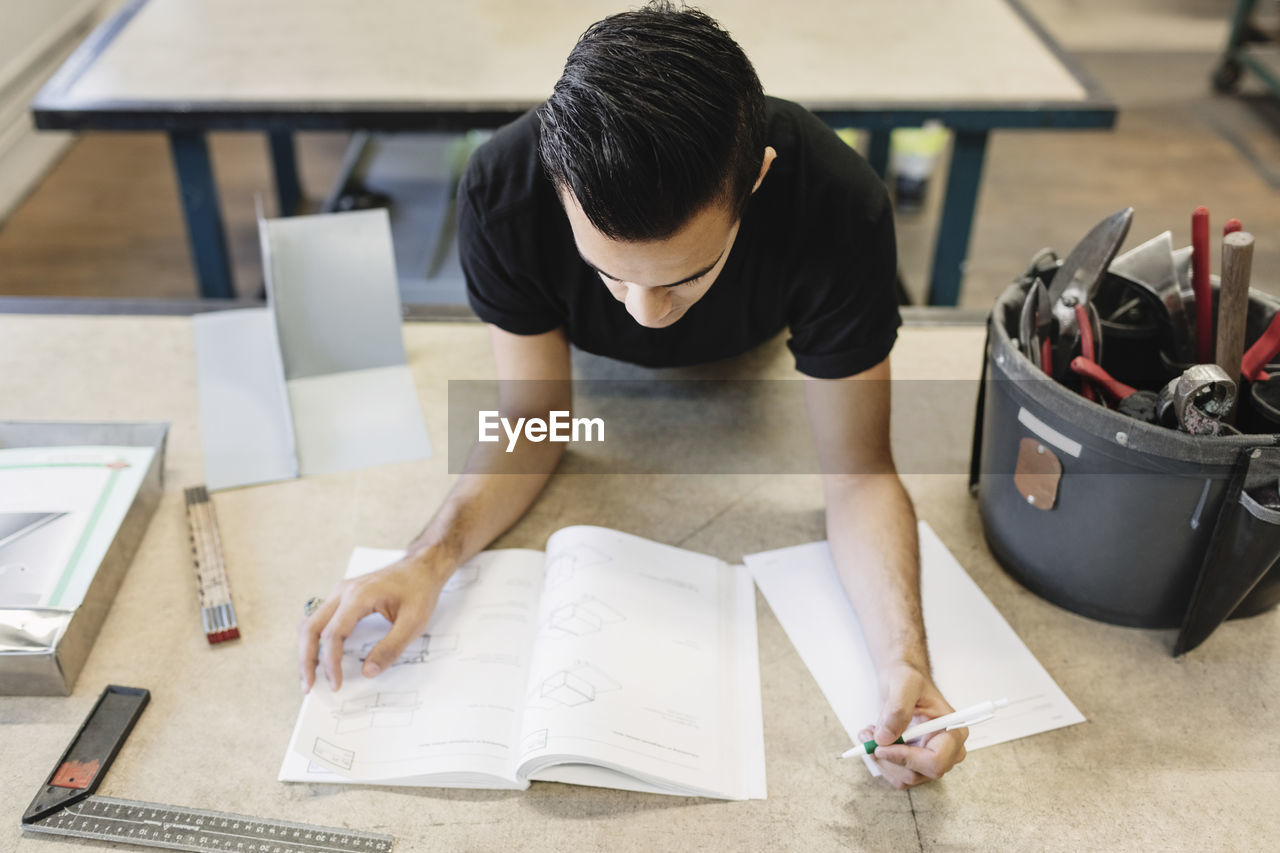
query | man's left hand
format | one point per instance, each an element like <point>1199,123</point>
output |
<point>910,697</point>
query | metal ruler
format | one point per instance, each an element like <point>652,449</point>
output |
<point>200,831</point>
<point>67,805</point>
<point>216,610</point>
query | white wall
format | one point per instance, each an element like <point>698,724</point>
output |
<point>35,36</point>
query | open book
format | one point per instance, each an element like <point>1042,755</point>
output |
<point>609,660</point>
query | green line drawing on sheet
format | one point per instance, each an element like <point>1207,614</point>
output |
<point>73,561</point>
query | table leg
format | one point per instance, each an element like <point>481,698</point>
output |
<point>878,151</point>
<point>284,159</point>
<point>204,219</point>
<point>963,181</point>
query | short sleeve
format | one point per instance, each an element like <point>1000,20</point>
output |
<point>496,294</point>
<point>844,313</point>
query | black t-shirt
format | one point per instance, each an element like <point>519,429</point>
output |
<point>815,252</point>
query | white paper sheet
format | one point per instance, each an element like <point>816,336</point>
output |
<point>976,656</point>
<point>60,508</point>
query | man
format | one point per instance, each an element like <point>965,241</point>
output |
<point>660,210</point>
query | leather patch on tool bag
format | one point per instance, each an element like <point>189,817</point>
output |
<point>1037,474</point>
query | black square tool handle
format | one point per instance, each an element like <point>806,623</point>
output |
<point>82,766</point>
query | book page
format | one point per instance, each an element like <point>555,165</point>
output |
<point>637,667</point>
<point>976,656</point>
<point>447,712</point>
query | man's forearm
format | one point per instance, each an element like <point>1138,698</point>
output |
<point>487,499</point>
<point>497,487</point>
<point>871,527</point>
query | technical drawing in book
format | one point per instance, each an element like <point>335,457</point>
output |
<point>609,660</point>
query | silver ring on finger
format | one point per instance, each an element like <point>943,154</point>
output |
<point>311,605</point>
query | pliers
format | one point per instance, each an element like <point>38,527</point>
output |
<point>1045,343</point>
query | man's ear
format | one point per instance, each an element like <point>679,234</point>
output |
<point>769,156</point>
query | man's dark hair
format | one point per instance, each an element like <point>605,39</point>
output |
<point>658,114</point>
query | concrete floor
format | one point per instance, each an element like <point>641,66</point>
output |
<point>1176,145</point>
<point>106,222</point>
<point>1141,26</point>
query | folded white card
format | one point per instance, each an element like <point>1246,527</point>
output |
<point>317,381</point>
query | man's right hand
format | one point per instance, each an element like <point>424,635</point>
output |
<point>534,378</point>
<point>405,593</point>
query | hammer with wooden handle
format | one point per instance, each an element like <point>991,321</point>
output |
<point>1233,301</point>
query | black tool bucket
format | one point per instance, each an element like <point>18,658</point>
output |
<point>1111,517</point>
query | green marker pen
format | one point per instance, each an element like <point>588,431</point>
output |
<point>979,713</point>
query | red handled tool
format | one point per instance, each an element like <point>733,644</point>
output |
<point>1260,354</point>
<point>1086,347</point>
<point>1200,284</point>
<point>1076,282</point>
<point>1132,402</point>
<point>1232,226</point>
<point>1088,369</point>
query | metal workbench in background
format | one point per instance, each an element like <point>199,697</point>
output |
<point>1248,47</point>
<point>187,67</point>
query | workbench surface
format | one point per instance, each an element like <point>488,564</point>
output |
<point>1160,764</point>
<point>500,54</point>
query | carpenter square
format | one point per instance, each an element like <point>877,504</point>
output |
<point>66,804</point>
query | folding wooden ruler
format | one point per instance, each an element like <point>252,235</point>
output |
<point>217,612</point>
<point>66,805</point>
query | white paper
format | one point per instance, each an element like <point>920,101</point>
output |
<point>975,655</point>
<point>60,508</point>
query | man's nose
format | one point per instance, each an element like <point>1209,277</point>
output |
<point>647,305</point>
